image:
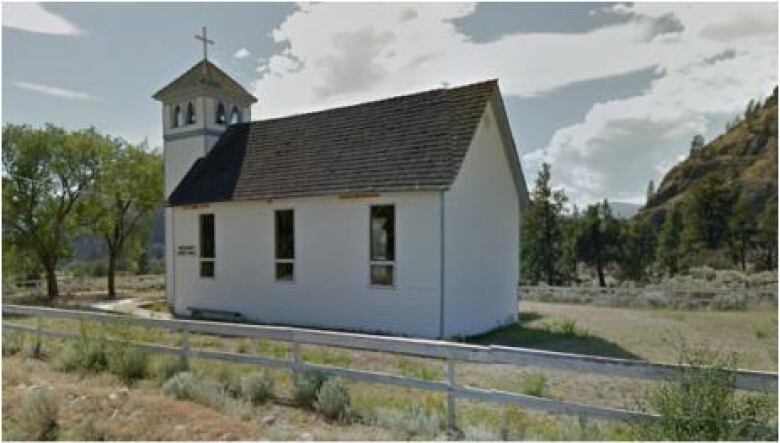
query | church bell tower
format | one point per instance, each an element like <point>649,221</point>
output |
<point>197,107</point>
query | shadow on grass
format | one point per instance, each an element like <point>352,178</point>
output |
<point>533,332</point>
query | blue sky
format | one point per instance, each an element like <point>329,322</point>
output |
<point>609,94</point>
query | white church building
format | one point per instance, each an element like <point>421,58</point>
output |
<point>397,216</point>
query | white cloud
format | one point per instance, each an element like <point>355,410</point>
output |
<point>711,57</point>
<point>33,17</point>
<point>54,91</point>
<point>242,53</point>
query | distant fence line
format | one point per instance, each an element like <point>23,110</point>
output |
<point>451,353</point>
<point>704,298</point>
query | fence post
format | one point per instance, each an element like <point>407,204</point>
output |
<point>36,350</point>
<point>296,366</point>
<point>451,425</point>
<point>185,344</point>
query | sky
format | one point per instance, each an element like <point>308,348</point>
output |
<point>610,94</point>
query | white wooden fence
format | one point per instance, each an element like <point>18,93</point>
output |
<point>704,298</point>
<point>450,353</point>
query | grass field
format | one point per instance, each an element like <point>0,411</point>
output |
<point>654,335</point>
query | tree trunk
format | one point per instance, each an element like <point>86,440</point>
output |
<point>51,281</point>
<point>600,271</point>
<point>110,274</point>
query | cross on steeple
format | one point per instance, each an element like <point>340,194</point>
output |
<point>204,38</point>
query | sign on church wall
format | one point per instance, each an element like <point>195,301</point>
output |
<point>185,250</point>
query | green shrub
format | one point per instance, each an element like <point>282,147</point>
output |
<point>567,327</point>
<point>229,381</point>
<point>90,429</point>
<point>535,384</point>
<point>166,367</point>
<point>129,363</point>
<point>701,403</point>
<point>257,388</point>
<point>333,399</point>
<point>38,415</point>
<point>85,354</point>
<point>188,386</point>
<point>13,343</point>
<point>305,387</point>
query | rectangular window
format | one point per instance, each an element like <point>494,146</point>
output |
<point>285,244</point>
<point>207,245</point>
<point>382,256</point>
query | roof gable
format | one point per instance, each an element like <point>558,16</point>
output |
<point>405,143</point>
<point>204,75</point>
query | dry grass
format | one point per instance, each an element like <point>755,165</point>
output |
<point>630,333</point>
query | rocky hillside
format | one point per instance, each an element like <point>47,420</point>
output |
<point>745,155</point>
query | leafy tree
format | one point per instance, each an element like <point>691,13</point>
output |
<point>766,238</point>
<point>637,243</point>
<point>46,172</point>
<point>668,250</point>
<point>541,232</point>
<point>697,143</point>
<point>598,241</point>
<point>708,212</point>
<point>742,229</point>
<point>128,192</point>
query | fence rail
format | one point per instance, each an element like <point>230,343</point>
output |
<point>450,353</point>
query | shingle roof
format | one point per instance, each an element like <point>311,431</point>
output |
<point>411,142</point>
<point>205,74</point>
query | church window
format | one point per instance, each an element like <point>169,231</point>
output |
<point>284,234</point>
<point>235,116</point>
<point>207,245</point>
<point>221,117</point>
<point>382,245</point>
<point>190,113</point>
<point>177,116</point>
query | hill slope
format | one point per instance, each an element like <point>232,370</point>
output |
<point>745,155</point>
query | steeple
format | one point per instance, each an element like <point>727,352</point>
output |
<point>197,107</point>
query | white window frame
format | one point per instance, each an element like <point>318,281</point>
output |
<point>201,259</point>
<point>295,245</point>
<point>391,263</point>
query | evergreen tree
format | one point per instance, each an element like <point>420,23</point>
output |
<point>637,248</point>
<point>742,230</point>
<point>598,240</point>
<point>650,191</point>
<point>766,238</point>
<point>541,232</point>
<point>669,238</point>
<point>708,212</point>
<point>697,143</point>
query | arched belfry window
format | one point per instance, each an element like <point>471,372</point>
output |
<point>190,113</point>
<point>221,117</point>
<point>235,116</point>
<point>176,117</point>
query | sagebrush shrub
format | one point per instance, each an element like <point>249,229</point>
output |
<point>305,387</point>
<point>257,387</point>
<point>38,414</point>
<point>414,421</point>
<point>13,343</point>
<point>188,386</point>
<point>129,363</point>
<point>333,399</point>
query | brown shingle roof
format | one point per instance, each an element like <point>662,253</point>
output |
<point>411,142</point>
<point>205,74</point>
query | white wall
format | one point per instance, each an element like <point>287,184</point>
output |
<point>481,228</point>
<point>331,287</point>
